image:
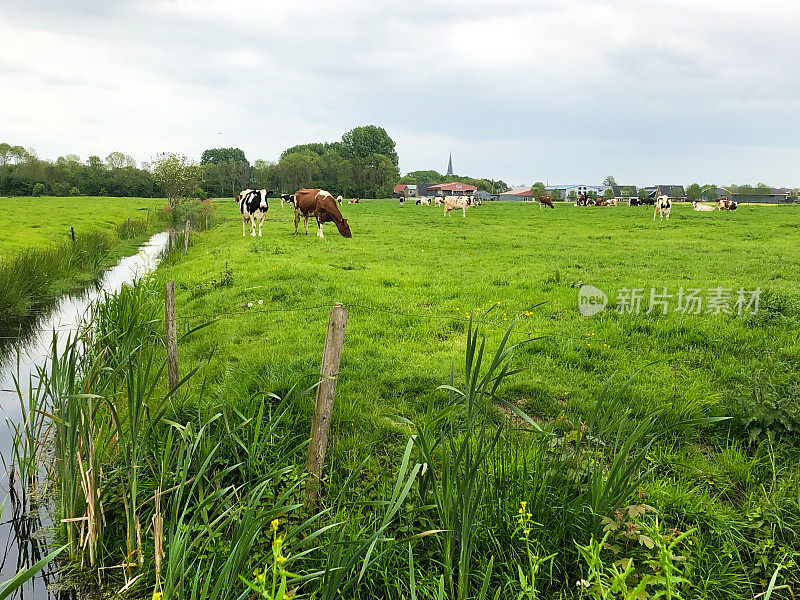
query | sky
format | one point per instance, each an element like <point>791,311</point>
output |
<point>649,91</point>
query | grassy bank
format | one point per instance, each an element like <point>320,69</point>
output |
<point>528,476</point>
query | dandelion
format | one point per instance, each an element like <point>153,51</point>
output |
<point>524,504</point>
<point>157,595</point>
<point>498,304</point>
<point>527,531</point>
<point>280,559</point>
<point>275,523</point>
<point>261,302</point>
<point>249,305</point>
<point>504,319</point>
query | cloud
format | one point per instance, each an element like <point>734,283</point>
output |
<point>519,90</point>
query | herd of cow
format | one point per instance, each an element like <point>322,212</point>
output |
<point>253,204</point>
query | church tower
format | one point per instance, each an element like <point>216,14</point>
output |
<point>450,165</point>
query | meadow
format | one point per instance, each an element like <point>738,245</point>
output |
<point>621,455</point>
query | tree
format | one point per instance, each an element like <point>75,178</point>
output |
<point>762,189</point>
<point>609,180</point>
<point>643,194</point>
<point>572,196</point>
<point>361,142</point>
<point>176,174</point>
<point>709,192</point>
<point>118,160</point>
<point>74,192</point>
<point>214,156</point>
<point>626,192</point>
<point>538,189</point>
<point>377,173</point>
<point>555,195</point>
<point>694,192</point>
<point>5,153</point>
<point>608,194</point>
<point>38,189</point>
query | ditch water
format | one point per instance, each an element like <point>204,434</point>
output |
<point>23,528</point>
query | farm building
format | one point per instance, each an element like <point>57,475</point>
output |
<point>402,190</point>
<point>773,196</point>
<point>622,193</point>
<point>675,192</point>
<point>517,195</point>
<point>565,190</point>
<point>450,189</point>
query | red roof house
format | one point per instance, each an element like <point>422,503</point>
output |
<point>454,188</point>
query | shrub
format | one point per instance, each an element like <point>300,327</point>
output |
<point>38,189</point>
<point>74,191</point>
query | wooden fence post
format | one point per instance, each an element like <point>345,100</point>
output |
<point>171,334</point>
<point>186,238</point>
<point>326,390</point>
<point>72,233</point>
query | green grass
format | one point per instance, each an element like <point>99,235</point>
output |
<point>433,270</point>
<point>35,222</point>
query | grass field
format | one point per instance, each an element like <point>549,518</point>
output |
<point>35,222</point>
<point>435,270</point>
<point>704,506</point>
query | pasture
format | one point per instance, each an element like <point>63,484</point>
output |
<point>706,505</point>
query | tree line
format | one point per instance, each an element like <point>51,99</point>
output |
<point>493,186</point>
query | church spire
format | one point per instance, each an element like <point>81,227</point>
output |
<point>450,164</point>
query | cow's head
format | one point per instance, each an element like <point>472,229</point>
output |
<point>263,204</point>
<point>344,228</point>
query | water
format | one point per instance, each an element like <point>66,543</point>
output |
<point>22,528</point>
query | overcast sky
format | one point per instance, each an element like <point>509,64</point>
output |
<point>668,91</point>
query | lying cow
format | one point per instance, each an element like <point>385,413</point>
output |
<point>322,205</point>
<point>453,202</point>
<point>663,206</point>
<point>702,207</point>
<point>254,206</point>
<point>725,204</point>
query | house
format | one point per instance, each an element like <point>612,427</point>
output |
<point>451,189</point>
<point>402,190</point>
<point>675,192</point>
<point>517,195</point>
<point>622,193</point>
<point>565,190</point>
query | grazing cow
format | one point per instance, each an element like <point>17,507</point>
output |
<point>339,200</point>
<point>287,198</point>
<point>663,206</point>
<point>462,202</point>
<point>322,205</point>
<point>544,200</point>
<point>438,201</point>
<point>254,206</point>
<point>424,201</point>
<point>634,202</point>
<point>702,207</point>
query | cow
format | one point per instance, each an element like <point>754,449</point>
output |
<point>354,201</point>
<point>339,199</point>
<point>462,202</point>
<point>702,207</point>
<point>254,206</point>
<point>612,202</point>
<point>438,201</point>
<point>424,201</point>
<point>322,205</point>
<point>663,206</point>
<point>544,200</point>
<point>287,198</point>
<point>634,202</point>
<point>725,204</point>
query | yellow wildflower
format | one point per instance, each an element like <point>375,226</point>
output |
<point>280,559</point>
<point>275,523</point>
<point>157,595</point>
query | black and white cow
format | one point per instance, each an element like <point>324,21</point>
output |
<point>663,205</point>
<point>287,198</point>
<point>254,206</point>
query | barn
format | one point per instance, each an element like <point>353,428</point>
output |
<point>517,195</point>
<point>451,189</point>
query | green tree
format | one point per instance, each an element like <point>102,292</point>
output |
<point>538,189</point>
<point>74,191</point>
<point>38,189</point>
<point>608,194</point>
<point>376,175</point>
<point>694,192</point>
<point>361,142</point>
<point>643,194</point>
<point>118,160</point>
<point>626,192</point>
<point>176,175</point>
<point>609,180</point>
<point>555,195</point>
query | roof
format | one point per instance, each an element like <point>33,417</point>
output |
<point>451,187</point>
<point>400,187</point>
<point>617,189</point>
<point>518,192</point>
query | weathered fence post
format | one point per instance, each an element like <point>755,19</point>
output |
<point>171,331</point>
<point>323,409</point>
<point>186,238</point>
<point>72,233</point>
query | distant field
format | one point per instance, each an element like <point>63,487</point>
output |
<point>510,256</point>
<point>31,222</point>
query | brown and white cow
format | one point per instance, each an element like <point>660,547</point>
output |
<point>454,202</point>
<point>321,205</point>
<point>438,201</point>
<point>725,204</point>
<point>544,200</point>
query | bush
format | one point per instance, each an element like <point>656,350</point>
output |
<point>38,189</point>
<point>60,189</point>
<point>74,192</point>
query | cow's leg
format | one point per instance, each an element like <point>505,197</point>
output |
<point>319,228</point>
<point>260,225</point>
<point>464,211</point>
<point>243,220</point>
<point>654,213</point>
<point>296,220</point>
<point>252,226</point>
<point>305,223</point>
